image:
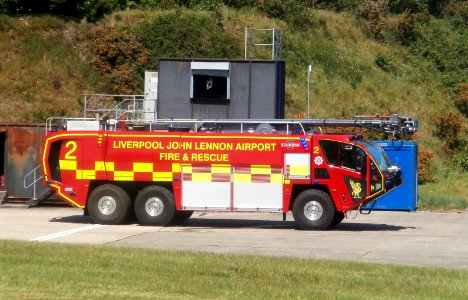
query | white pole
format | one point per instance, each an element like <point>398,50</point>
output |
<point>308,90</point>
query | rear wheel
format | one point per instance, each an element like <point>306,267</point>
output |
<point>313,209</point>
<point>109,204</point>
<point>155,205</point>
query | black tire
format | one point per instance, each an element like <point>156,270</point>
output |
<point>313,210</point>
<point>339,216</point>
<point>109,204</point>
<point>155,205</point>
<point>182,216</point>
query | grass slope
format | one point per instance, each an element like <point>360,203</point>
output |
<point>41,71</point>
<point>52,271</point>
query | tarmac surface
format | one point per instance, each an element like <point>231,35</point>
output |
<point>422,238</point>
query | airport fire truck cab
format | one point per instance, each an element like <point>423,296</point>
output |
<point>165,171</point>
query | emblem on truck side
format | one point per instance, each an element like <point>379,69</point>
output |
<point>356,186</point>
<point>318,160</point>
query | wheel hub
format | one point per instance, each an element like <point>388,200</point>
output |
<point>313,210</point>
<point>107,205</point>
<point>154,206</point>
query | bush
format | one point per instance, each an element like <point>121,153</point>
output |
<point>445,45</point>
<point>89,9</point>
<point>457,9</point>
<point>118,55</point>
<point>184,34</point>
<point>340,5</point>
<point>406,30</point>
<point>239,3</point>
<point>386,63</point>
<point>6,22</point>
<point>415,6</point>
<point>461,159</point>
<point>374,12</point>
<point>424,164</point>
<point>449,128</point>
<point>294,12</point>
<point>461,101</point>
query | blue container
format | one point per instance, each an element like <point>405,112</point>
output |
<point>405,196</point>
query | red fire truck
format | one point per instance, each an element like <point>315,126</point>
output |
<point>165,171</point>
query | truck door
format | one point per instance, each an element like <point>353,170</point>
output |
<point>348,167</point>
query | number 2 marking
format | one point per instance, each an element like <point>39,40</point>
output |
<point>316,150</point>
<point>70,153</point>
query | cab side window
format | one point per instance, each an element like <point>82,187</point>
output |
<point>352,157</point>
<point>331,149</point>
<point>344,155</point>
<point>376,178</point>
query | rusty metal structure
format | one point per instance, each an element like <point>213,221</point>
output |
<point>20,145</point>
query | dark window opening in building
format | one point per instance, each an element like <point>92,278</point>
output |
<point>210,83</point>
<point>210,89</point>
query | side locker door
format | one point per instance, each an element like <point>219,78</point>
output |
<point>258,187</point>
<point>206,187</point>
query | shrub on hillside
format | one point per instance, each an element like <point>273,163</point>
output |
<point>424,163</point>
<point>239,3</point>
<point>185,34</point>
<point>448,126</point>
<point>406,29</point>
<point>461,101</point>
<point>89,9</point>
<point>373,11</point>
<point>6,22</point>
<point>386,63</point>
<point>446,46</point>
<point>118,55</point>
<point>295,12</point>
<point>457,9</point>
<point>415,6</point>
<point>461,159</point>
<point>339,5</point>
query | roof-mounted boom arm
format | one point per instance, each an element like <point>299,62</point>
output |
<point>393,124</point>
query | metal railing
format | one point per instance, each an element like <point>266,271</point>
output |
<point>393,124</point>
<point>35,179</point>
<point>105,106</point>
<point>271,37</point>
<point>203,125</point>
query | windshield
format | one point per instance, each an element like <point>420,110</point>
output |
<point>377,153</point>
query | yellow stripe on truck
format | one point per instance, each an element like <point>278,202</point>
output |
<point>123,175</point>
<point>201,177</point>
<point>162,176</point>
<point>266,170</point>
<point>67,164</point>
<point>142,167</point>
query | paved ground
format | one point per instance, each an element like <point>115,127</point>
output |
<point>421,238</point>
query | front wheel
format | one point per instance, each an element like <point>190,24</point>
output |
<point>313,209</point>
<point>155,205</point>
<point>109,204</point>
